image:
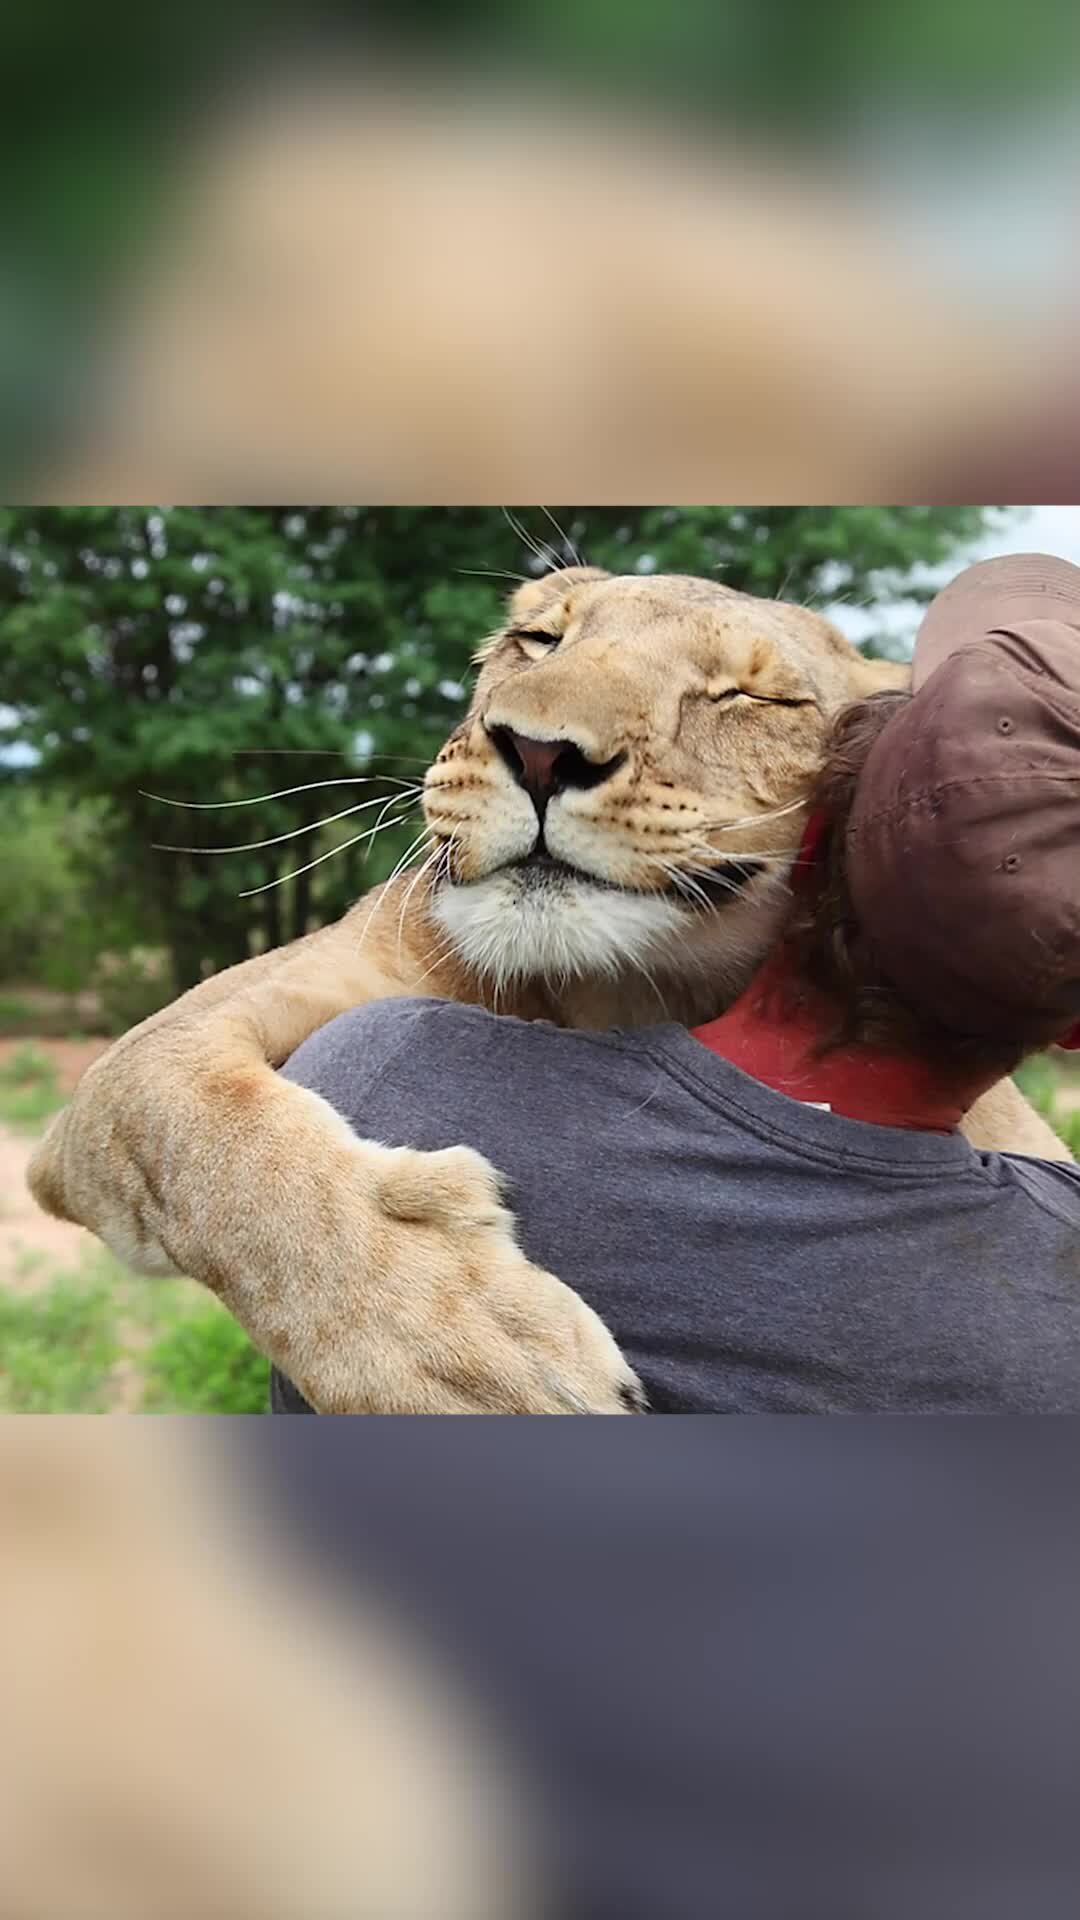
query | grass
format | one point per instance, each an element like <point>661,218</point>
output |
<point>58,1346</point>
<point>29,1091</point>
<point>203,1362</point>
<point>77,1340</point>
<point>87,1339</point>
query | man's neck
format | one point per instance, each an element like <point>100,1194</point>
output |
<point>774,1038</point>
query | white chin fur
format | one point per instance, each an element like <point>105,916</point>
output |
<point>506,929</point>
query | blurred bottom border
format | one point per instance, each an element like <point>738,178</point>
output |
<point>802,1668</point>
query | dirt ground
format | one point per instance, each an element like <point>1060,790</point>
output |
<point>24,1229</point>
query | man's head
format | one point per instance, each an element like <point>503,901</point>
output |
<point>942,903</point>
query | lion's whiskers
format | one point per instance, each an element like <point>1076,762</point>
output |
<point>549,560</point>
<point>329,753</point>
<point>442,952</point>
<point>575,554</point>
<point>430,861</point>
<point>685,879</point>
<point>284,793</point>
<point>649,978</point>
<point>755,819</point>
<point>415,846</point>
<point>448,945</point>
<point>734,854</point>
<point>680,879</point>
<point>253,846</point>
<point>247,893</point>
<point>493,573</point>
<point>383,893</point>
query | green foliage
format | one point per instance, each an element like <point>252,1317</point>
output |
<point>38,889</point>
<point>66,899</point>
<point>1042,1079</point>
<point>29,1093</point>
<point>88,1339</point>
<point>204,1363</point>
<point>1038,1079</point>
<point>41,900</point>
<point>219,654</point>
<point>58,1346</point>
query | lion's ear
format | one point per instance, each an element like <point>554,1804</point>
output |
<point>537,595</point>
<point>876,676</point>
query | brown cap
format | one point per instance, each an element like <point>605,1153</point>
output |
<point>963,849</point>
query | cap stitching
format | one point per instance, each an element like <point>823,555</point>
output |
<point>947,786</point>
<point>988,651</point>
<point>1047,689</point>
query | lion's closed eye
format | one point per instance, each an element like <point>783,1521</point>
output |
<point>719,694</point>
<point>533,642</point>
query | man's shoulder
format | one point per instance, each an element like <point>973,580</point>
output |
<point>432,1035</point>
<point>365,1039</point>
<point>431,1073</point>
<point>401,1013</point>
<point>1053,1185</point>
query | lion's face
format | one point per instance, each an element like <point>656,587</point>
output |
<point>627,789</point>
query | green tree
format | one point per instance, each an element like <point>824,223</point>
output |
<point>219,654</point>
<point>64,900</point>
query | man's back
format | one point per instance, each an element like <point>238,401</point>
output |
<point>748,1253</point>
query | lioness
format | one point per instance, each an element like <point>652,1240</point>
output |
<point>612,825</point>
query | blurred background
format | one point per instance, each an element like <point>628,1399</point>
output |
<point>279,678</point>
<point>195,1725</point>
<point>387,1670</point>
<point>738,248</point>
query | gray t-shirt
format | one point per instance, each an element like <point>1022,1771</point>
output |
<point>749,1253</point>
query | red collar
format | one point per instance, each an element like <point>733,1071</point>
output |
<point>776,1047</point>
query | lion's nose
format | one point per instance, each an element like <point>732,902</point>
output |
<point>547,767</point>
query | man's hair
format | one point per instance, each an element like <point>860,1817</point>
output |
<point>825,946</point>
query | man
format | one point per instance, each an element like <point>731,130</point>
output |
<point>777,1212</point>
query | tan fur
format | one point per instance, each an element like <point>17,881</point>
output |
<point>192,1728</point>
<point>387,1280</point>
<point>1004,1121</point>
<point>378,295</point>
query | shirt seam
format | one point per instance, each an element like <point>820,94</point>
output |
<point>715,1097</point>
<point>741,1116</point>
<point>1043,1201</point>
<point>821,1156</point>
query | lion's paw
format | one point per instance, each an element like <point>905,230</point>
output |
<point>453,1187</point>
